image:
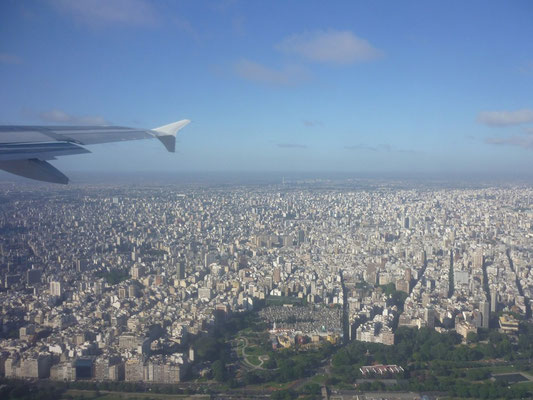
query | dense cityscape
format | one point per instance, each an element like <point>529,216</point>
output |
<point>136,284</point>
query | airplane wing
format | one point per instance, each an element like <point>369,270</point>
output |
<point>24,150</point>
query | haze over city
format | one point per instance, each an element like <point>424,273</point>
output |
<point>374,87</point>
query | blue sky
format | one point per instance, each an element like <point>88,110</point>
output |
<point>373,86</point>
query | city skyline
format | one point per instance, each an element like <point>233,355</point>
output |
<point>252,289</point>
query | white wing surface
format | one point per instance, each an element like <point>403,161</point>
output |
<point>24,150</point>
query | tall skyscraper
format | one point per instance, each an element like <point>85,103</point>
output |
<point>484,307</point>
<point>408,275</point>
<point>477,318</point>
<point>81,265</point>
<point>301,236</point>
<point>98,288</point>
<point>478,259</point>
<point>180,269</point>
<point>429,316</point>
<point>277,275</point>
<point>494,301</point>
<point>423,257</point>
<point>209,258</point>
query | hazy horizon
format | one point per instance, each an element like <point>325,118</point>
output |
<point>289,178</point>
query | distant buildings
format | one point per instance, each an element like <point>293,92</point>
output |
<point>102,280</point>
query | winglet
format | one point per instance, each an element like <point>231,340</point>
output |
<point>167,133</point>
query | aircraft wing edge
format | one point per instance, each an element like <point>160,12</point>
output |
<point>42,151</point>
<point>167,133</point>
<point>24,149</point>
<point>36,169</point>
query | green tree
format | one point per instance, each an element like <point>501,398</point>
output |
<point>472,337</point>
<point>219,371</point>
<point>311,388</point>
<point>283,395</point>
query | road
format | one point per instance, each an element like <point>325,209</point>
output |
<point>242,343</point>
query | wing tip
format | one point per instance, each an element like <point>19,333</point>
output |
<point>169,142</point>
<point>167,133</point>
<point>172,128</point>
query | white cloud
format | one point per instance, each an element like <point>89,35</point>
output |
<point>185,26</point>
<point>527,67</point>
<point>385,147</point>
<point>311,123</point>
<point>100,12</point>
<point>287,76</point>
<point>505,118</point>
<point>6,58</point>
<point>337,47</point>
<point>361,147</point>
<point>292,146</point>
<point>526,142</point>
<point>59,116</point>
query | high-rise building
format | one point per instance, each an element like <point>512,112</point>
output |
<point>429,317</point>
<point>122,293</point>
<point>204,293</point>
<point>132,291</point>
<point>494,301</point>
<point>56,289</point>
<point>268,282</point>
<point>134,370</point>
<point>403,286</point>
<point>423,257</point>
<point>98,288</point>
<point>26,332</point>
<point>81,265</point>
<point>484,307</point>
<point>477,317</point>
<point>33,276</point>
<point>137,271</point>
<point>37,366</point>
<point>277,275</point>
<point>286,240</point>
<point>11,280</point>
<point>478,259</point>
<point>159,280</point>
<point>301,236</point>
<point>408,275</point>
<point>370,275</point>
<point>209,258</point>
<point>180,269</point>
